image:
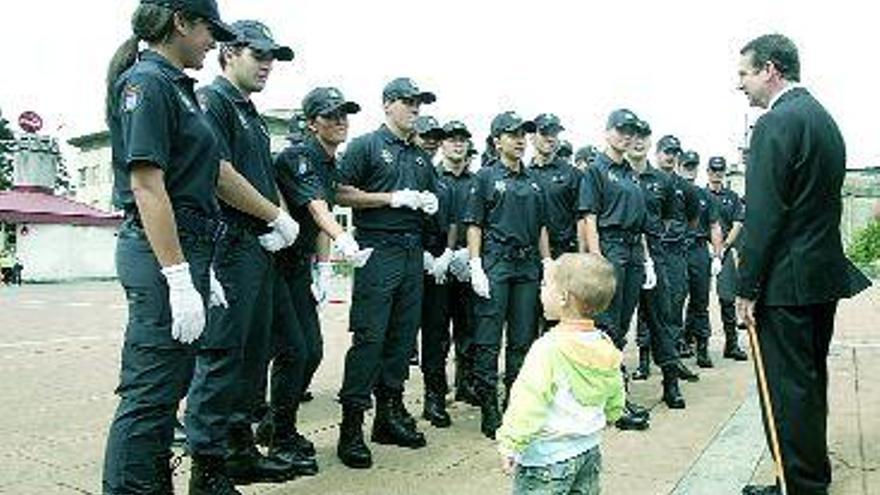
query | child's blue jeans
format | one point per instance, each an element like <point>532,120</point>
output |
<point>576,476</point>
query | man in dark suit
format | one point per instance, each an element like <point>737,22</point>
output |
<point>792,269</point>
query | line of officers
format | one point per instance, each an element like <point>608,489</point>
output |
<point>224,255</point>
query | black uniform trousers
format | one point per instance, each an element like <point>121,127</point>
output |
<point>699,266</point>
<point>156,370</point>
<point>626,253</point>
<point>725,286</point>
<point>237,350</point>
<point>513,287</point>
<point>677,276</point>
<point>794,344</point>
<point>461,313</point>
<point>654,327</point>
<point>384,318</point>
<point>297,343</point>
<point>435,333</point>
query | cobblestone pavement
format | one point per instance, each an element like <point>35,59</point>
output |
<point>59,351</point>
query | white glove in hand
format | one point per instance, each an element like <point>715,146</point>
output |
<point>428,262</point>
<point>717,265</point>
<point>347,245</point>
<point>458,266</point>
<point>218,295</point>
<point>406,198</point>
<point>479,280</point>
<point>359,260</point>
<point>441,266</point>
<point>321,282</point>
<point>429,201</point>
<point>285,225</point>
<point>650,275</point>
<point>273,241</point>
<point>187,306</point>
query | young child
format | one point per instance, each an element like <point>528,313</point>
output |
<point>569,387</point>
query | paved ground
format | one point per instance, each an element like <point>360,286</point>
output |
<point>59,350</point>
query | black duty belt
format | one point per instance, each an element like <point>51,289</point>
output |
<point>510,252</point>
<point>190,221</point>
<point>619,235</point>
<point>389,238</point>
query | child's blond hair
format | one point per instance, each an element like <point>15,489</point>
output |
<point>588,278</point>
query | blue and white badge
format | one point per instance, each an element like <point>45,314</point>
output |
<point>387,156</point>
<point>131,97</point>
<point>303,166</point>
<point>500,186</point>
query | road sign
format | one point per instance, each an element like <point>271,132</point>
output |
<point>30,122</point>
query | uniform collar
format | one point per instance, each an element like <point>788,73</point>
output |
<point>782,93</point>
<point>230,91</point>
<point>390,137</point>
<point>445,171</point>
<point>315,147</point>
<point>523,170</point>
<point>164,66</point>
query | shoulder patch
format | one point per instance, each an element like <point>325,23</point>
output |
<point>131,97</point>
<point>387,156</point>
<point>303,166</point>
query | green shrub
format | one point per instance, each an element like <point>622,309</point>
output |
<point>865,246</point>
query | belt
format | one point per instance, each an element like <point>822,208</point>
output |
<point>389,238</point>
<point>616,234</point>
<point>189,221</point>
<point>512,253</point>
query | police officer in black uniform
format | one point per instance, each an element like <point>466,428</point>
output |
<point>701,265</point>
<point>584,157</point>
<point>165,161</point>
<point>731,216</point>
<point>390,183</point>
<point>613,211</point>
<point>507,239</point>
<point>682,212</point>
<point>655,335</point>
<point>458,152</point>
<point>306,174</point>
<point>565,152</point>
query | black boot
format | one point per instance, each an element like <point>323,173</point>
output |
<point>685,373</point>
<point>629,421</point>
<point>703,359</point>
<point>245,464</point>
<point>671,394</point>
<point>731,345</point>
<point>165,466</point>
<point>685,350</point>
<point>291,447</point>
<point>208,477</point>
<point>435,400</point>
<point>637,410</point>
<point>490,415</point>
<point>465,389</point>
<point>265,430</point>
<point>391,428</point>
<point>644,369</point>
<point>351,449</point>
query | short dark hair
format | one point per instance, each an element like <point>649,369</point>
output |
<point>777,49</point>
<point>227,49</point>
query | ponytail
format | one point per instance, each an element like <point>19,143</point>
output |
<point>124,57</point>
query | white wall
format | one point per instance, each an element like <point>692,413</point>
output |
<point>65,252</point>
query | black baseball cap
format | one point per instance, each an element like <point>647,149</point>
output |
<point>510,122</point>
<point>564,150</point>
<point>689,159</point>
<point>717,163</point>
<point>586,153</point>
<point>622,119</point>
<point>207,10</point>
<point>326,100</point>
<point>425,125</point>
<point>472,150</point>
<point>548,123</point>
<point>256,35</point>
<point>669,144</point>
<point>404,87</point>
<point>643,128</point>
<point>456,128</point>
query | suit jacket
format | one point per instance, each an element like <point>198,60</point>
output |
<point>792,253</point>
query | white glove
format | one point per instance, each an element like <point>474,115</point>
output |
<point>458,266</point>
<point>406,198</point>
<point>285,225</point>
<point>479,280</point>
<point>187,306</point>
<point>430,203</point>
<point>347,245</point>
<point>218,295</point>
<point>359,260</point>
<point>717,265</point>
<point>428,262</point>
<point>273,241</point>
<point>441,266</point>
<point>650,275</point>
<point>321,282</point>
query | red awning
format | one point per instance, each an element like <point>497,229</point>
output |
<point>34,205</point>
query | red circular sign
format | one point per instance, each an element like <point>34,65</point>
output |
<point>30,121</point>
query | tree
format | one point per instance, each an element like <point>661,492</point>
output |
<point>7,141</point>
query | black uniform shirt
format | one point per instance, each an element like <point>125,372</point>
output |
<point>155,119</point>
<point>561,184</point>
<point>659,200</point>
<point>508,206</point>
<point>730,208</point>
<point>244,141</point>
<point>685,208</point>
<point>382,162</point>
<point>611,191</point>
<point>461,190</point>
<point>305,173</point>
<point>707,216</point>
<point>436,229</point>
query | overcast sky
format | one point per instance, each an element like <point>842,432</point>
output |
<point>674,63</point>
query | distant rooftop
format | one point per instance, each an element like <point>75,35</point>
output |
<point>36,205</point>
